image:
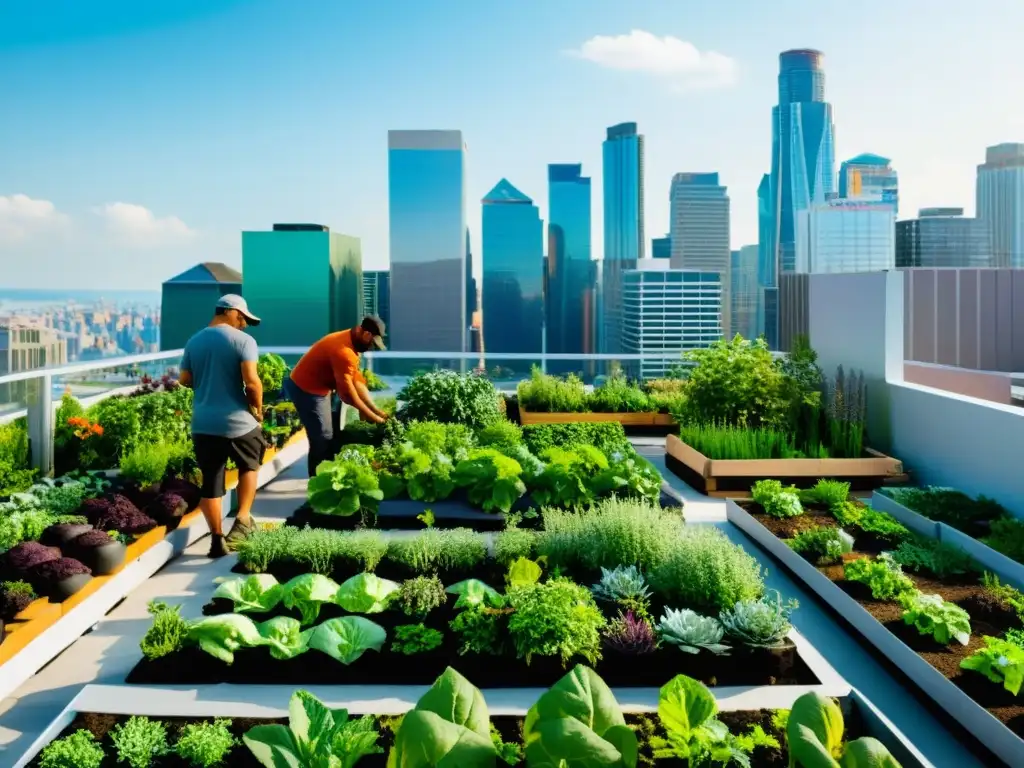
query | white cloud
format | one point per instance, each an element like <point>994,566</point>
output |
<point>677,61</point>
<point>139,226</point>
<point>21,216</point>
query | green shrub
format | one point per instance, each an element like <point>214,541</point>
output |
<point>15,472</point>
<point>555,618</point>
<point>434,550</point>
<point>167,633</point>
<point>543,393</point>
<point>271,369</point>
<point>607,437</point>
<point>1007,537</point>
<point>501,435</point>
<point>139,741</point>
<point>705,571</point>
<point>512,544</point>
<point>420,595</point>
<point>205,745</point>
<point>949,506</point>
<point>451,398</point>
<point>932,556</point>
<point>146,463</point>
<point>612,532</point>
<point>79,750</point>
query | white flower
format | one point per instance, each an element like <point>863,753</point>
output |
<point>1002,661</point>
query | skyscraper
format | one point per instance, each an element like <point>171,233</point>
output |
<point>743,291</point>
<point>767,265</point>
<point>661,247</point>
<point>846,236</point>
<point>803,152</point>
<point>513,272</point>
<point>571,275</point>
<point>427,226</point>
<point>1000,203</point>
<point>699,218</point>
<point>870,179</point>
<point>624,242</point>
<point>942,237</point>
<point>377,294</point>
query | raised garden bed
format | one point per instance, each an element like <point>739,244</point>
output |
<point>625,419</point>
<point>991,714</point>
<point>734,478</point>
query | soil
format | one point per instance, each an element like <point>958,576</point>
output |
<point>814,516</point>
<point>989,616</point>
<point>100,725</point>
<point>744,666</point>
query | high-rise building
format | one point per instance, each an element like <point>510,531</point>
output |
<point>187,300</point>
<point>870,179</point>
<point>845,236</point>
<point>767,265</point>
<point>942,237</point>
<point>25,346</point>
<point>1000,203</point>
<point>303,281</point>
<point>427,226</point>
<point>624,241</point>
<point>513,272</point>
<point>803,154</point>
<point>661,247</point>
<point>744,293</point>
<point>570,266</point>
<point>699,218</point>
<point>377,294</point>
<point>668,311</point>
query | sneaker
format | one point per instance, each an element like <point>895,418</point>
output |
<point>217,546</point>
<point>239,532</point>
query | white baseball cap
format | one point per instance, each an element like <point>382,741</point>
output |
<point>234,301</point>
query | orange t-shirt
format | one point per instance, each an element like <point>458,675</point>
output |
<point>324,367</point>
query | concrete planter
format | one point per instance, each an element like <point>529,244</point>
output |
<point>989,731</point>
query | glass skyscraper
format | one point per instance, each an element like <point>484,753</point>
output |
<point>744,292</point>
<point>1000,203</point>
<point>870,179</point>
<point>513,272</point>
<point>571,274</point>
<point>846,236</point>
<point>624,243</point>
<point>427,225</point>
<point>767,265</point>
<point>377,294</point>
<point>942,237</point>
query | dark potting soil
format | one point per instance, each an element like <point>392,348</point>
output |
<point>814,516</point>
<point>744,666</point>
<point>510,728</point>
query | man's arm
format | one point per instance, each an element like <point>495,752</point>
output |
<point>346,383</point>
<point>251,378</point>
<point>366,397</point>
<point>185,378</point>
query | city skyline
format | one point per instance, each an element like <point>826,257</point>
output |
<point>158,162</point>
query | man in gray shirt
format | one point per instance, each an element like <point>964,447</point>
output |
<point>219,365</point>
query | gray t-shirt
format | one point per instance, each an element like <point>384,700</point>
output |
<point>214,356</point>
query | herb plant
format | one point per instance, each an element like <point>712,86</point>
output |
<point>555,618</point>
<point>690,632</point>
<point>606,437</point>
<point>882,525</point>
<point>78,750</point>
<point>482,627</point>
<point>271,369</point>
<point>420,595</point>
<point>139,741</point>
<point>1007,537</point>
<point>513,543</point>
<point>828,492</point>
<point>630,635</point>
<point>434,550</point>
<point>949,506</point>
<point>822,545</point>
<point>168,632</point>
<point>451,398</point>
<point>776,500</point>
<point>931,615</point>
<point>1000,661</point>
<point>205,745</point>
<point>882,575</point>
<point>411,639</point>
<point>920,554</point>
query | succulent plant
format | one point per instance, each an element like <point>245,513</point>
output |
<point>622,583</point>
<point>690,632</point>
<point>760,623</point>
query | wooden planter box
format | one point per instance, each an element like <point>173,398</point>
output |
<point>625,419</point>
<point>734,477</point>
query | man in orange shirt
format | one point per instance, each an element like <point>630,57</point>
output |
<point>332,365</point>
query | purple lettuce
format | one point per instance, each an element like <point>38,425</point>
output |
<point>116,513</point>
<point>190,492</point>
<point>29,554</point>
<point>631,636</point>
<point>55,571</point>
<point>60,534</point>
<point>166,507</point>
<point>92,539</point>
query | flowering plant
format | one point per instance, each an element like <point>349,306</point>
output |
<point>83,428</point>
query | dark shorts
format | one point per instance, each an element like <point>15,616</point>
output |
<point>213,452</point>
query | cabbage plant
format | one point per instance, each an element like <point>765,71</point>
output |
<point>306,593</point>
<point>346,485</point>
<point>471,592</point>
<point>220,636</point>
<point>814,735</point>
<point>259,593</point>
<point>690,632</point>
<point>366,593</point>
<point>284,637</point>
<point>931,615</point>
<point>347,638</point>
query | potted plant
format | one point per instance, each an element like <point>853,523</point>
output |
<point>15,597</point>
<point>21,558</point>
<point>167,509</point>
<point>98,551</point>
<point>61,534</point>
<point>59,579</point>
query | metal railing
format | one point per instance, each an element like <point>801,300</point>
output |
<point>40,387</point>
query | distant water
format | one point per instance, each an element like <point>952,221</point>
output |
<point>36,298</point>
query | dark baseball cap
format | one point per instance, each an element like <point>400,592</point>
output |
<point>234,301</point>
<point>374,325</point>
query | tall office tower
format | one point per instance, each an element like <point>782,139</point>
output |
<point>303,281</point>
<point>377,294</point>
<point>699,218</point>
<point>767,266</point>
<point>668,311</point>
<point>870,179</point>
<point>1000,202</point>
<point>942,237</point>
<point>472,295</point>
<point>187,300</point>
<point>513,272</point>
<point>744,291</point>
<point>427,224</point>
<point>624,243</point>
<point>803,154</point>
<point>846,236</point>
<point>661,247</point>
<point>570,272</point>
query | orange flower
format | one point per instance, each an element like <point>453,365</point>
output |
<point>97,429</point>
<point>78,421</point>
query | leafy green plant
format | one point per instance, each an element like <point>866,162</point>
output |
<point>315,737</point>
<point>449,726</point>
<point>205,745</point>
<point>271,369</point>
<point>566,479</point>
<point>935,557</point>
<point>555,618</point>
<point>883,576</point>
<point>493,481</point>
<point>607,437</point>
<point>949,506</point>
<point>284,636</point>
<point>481,627</point>
<point>690,632</point>
<point>411,639</point>
<point>687,709</point>
<point>882,525</point>
<point>146,463</point>
<point>1013,597</point>
<point>776,500</point>
<point>578,720</point>
<point>931,615</point>
<point>1007,537</point>
<point>523,573</point>
<point>720,441</point>
<point>347,638</point>
<point>828,492</point>
<point>16,474</point>
<point>306,593</point>
<point>705,570</point>
<point>471,592</point>
<point>259,593</point>
<point>762,623</point>
<point>453,440</point>
<point>1000,661</point>
<point>420,595</point>
<point>139,741</point>
<point>366,593</point>
<point>814,735</point>
<point>220,636</point>
<point>78,750</point>
<point>168,633</point>
<point>822,545</point>
<point>628,476</point>
<point>450,398</point>
<point>345,485</point>
<point>434,550</point>
<point>502,436</point>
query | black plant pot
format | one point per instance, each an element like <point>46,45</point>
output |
<point>64,589</point>
<point>102,560</point>
<point>62,535</point>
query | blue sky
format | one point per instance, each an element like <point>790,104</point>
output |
<point>137,138</point>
